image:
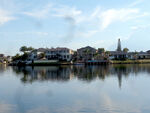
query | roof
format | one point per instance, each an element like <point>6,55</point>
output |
<point>87,47</point>
<point>59,49</point>
<point>143,53</point>
<point>2,55</point>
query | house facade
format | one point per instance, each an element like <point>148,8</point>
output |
<point>62,54</point>
<point>115,55</point>
<point>37,54</point>
<point>143,55</point>
<point>86,53</point>
<point>118,55</point>
<point>2,57</point>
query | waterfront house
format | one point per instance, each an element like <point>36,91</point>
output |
<point>59,53</point>
<point>118,55</point>
<point>132,55</point>
<point>2,56</point>
<point>143,55</point>
<point>86,53</point>
<point>37,54</point>
<point>9,59</point>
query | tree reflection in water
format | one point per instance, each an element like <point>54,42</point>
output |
<point>83,73</point>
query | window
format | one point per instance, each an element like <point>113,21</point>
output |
<point>67,56</point>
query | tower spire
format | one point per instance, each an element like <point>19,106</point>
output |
<point>119,45</point>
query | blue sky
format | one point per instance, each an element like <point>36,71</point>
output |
<point>74,24</point>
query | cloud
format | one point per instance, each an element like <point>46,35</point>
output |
<point>87,34</point>
<point>5,16</point>
<point>113,15</point>
<point>68,12</point>
<point>95,13</point>
<point>137,27</point>
<point>40,13</point>
<point>56,11</point>
<point>35,33</point>
<point>136,2</point>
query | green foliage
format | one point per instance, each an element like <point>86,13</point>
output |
<point>87,51</point>
<point>25,49</point>
<point>30,48</point>
<point>24,56</point>
<point>16,57</point>
<point>125,50</point>
<point>107,52</point>
<point>42,55</point>
<point>101,50</point>
<point>20,57</point>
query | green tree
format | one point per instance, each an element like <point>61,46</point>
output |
<point>24,56</point>
<point>23,49</point>
<point>101,50</point>
<point>16,57</point>
<point>125,50</point>
<point>107,52</point>
<point>42,55</point>
<point>30,48</point>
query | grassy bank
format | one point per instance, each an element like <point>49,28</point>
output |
<point>50,63</point>
<point>130,61</point>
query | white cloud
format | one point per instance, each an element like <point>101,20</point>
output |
<point>87,34</point>
<point>112,15</point>
<point>57,11</point>
<point>35,33</point>
<point>5,16</point>
<point>137,27</point>
<point>68,12</point>
<point>136,2</point>
<point>40,13</point>
<point>95,13</point>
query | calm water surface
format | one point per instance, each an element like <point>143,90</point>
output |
<point>75,89</point>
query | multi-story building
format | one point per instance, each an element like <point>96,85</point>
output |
<point>2,57</point>
<point>37,54</point>
<point>143,55</point>
<point>118,55</point>
<point>59,53</point>
<point>86,53</point>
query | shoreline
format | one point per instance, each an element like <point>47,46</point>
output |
<point>130,62</point>
<point>84,63</point>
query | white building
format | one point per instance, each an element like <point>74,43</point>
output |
<point>58,53</point>
<point>36,54</point>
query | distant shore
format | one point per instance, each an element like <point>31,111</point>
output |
<point>145,61</point>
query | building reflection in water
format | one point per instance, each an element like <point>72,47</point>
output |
<point>3,68</point>
<point>83,73</point>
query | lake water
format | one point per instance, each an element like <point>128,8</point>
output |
<point>75,89</point>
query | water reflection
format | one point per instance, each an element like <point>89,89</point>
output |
<point>75,89</point>
<point>3,68</point>
<point>83,73</point>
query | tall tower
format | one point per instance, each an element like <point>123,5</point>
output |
<point>119,45</point>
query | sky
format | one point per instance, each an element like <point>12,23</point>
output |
<point>74,24</point>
